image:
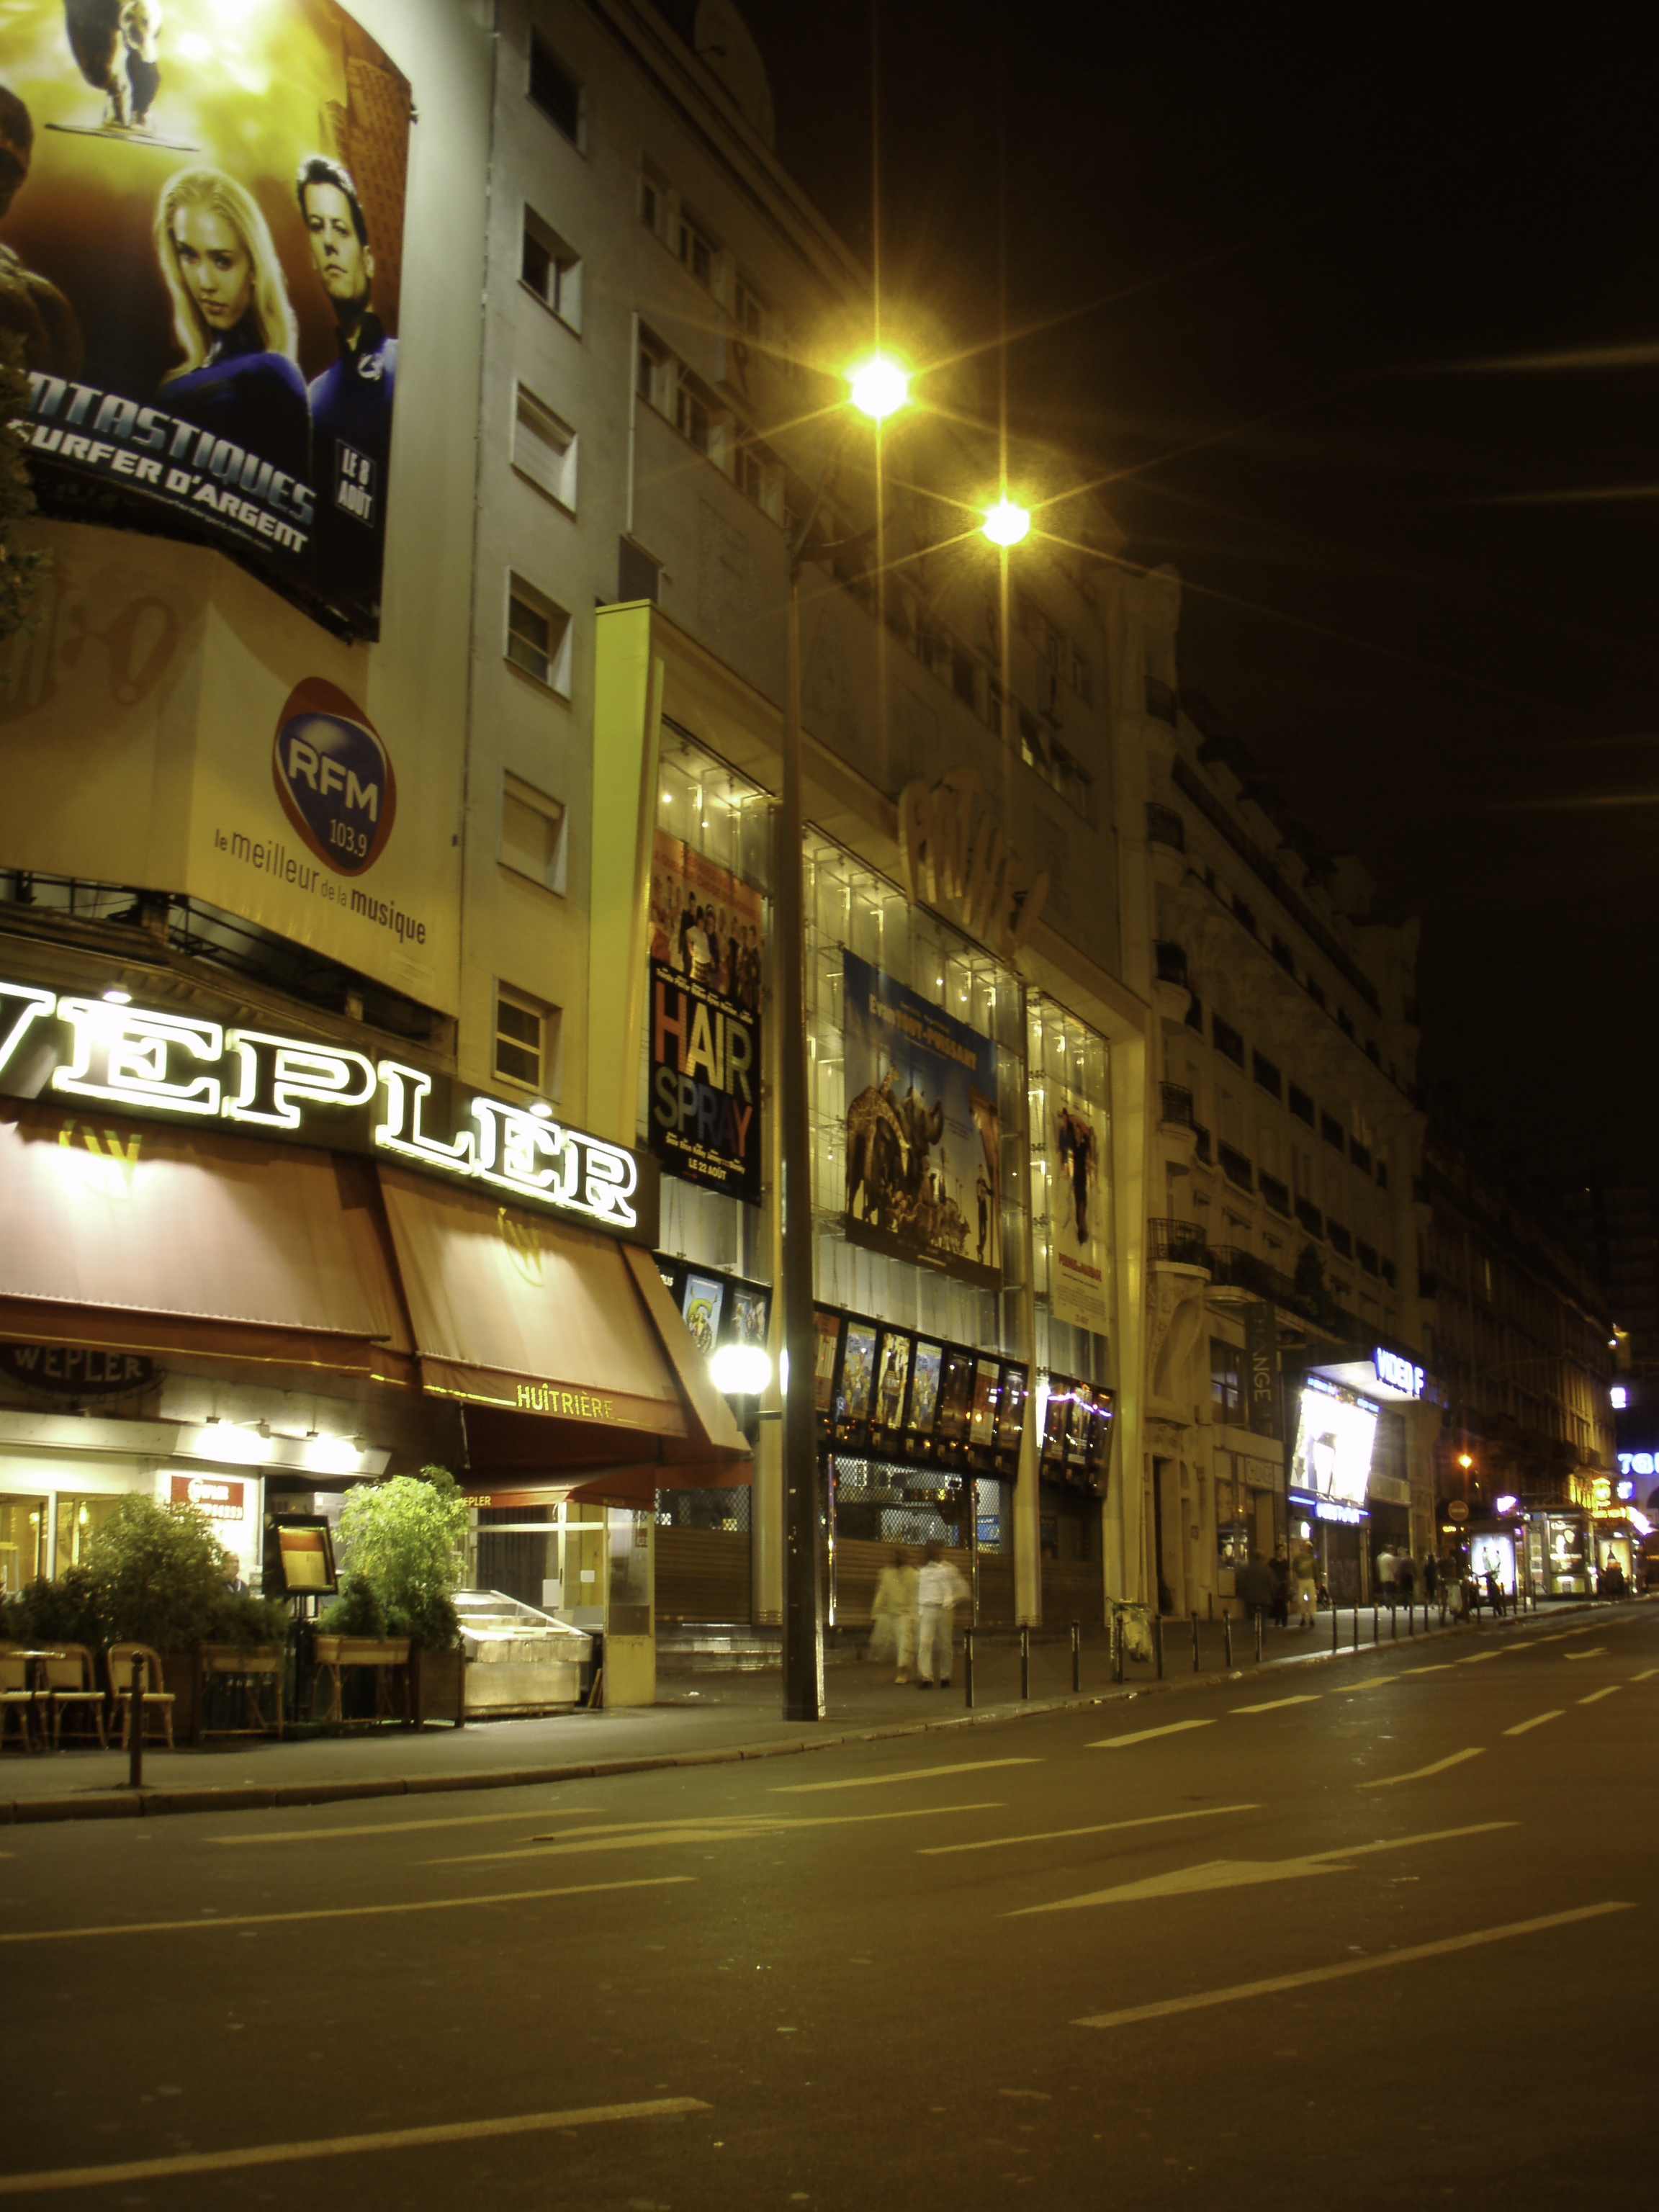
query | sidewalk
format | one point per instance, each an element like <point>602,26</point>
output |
<point>701,1717</point>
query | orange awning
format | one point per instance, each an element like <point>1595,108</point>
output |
<point>175,1240</point>
<point>563,1345</point>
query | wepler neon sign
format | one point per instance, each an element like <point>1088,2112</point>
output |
<point>150,1061</point>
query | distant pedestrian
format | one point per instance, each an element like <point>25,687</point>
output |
<point>1385,1571</point>
<point>1404,1577</point>
<point>1430,1577</point>
<point>1304,1573</point>
<point>1254,1587</point>
<point>937,1588</point>
<point>894,1614</point>
<point>1280,1567</point>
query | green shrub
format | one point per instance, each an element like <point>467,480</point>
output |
<point>357,1611</point>
<point>248,1620</point>
<point>64,1612</point>
<point>155,1574</point>
<point>404,1539</point>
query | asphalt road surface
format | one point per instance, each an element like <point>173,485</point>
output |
<point>1366,1932</point>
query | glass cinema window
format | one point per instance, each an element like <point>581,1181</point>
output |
<point>538,636</point>
<point>551,268</point>
<point>554,91</point>
<point>544,449</point>
<point>532,834</point>
<point>526,1032</point>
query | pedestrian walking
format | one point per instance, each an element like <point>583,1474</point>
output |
<point>1404,1577</point>
<point>1430,1577</point>
<point>1385,1574</point>
<point>894,1616</point>
<point>1304,1573</point>
<point>1253,1585</point>
<point>1279,1568</point>
<point>937,1588</point>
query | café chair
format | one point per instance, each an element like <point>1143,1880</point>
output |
<point>67,1681</point>
<point>16,1698</point>
<point>158,1702</point>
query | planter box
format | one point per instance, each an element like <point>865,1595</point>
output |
<point>363,1650</point>
<point>438,1686</point>
<point>258,1672</point>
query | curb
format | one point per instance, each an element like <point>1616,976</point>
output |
<point>24,1811</point>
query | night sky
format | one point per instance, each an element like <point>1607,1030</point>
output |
<point>1266,263</point>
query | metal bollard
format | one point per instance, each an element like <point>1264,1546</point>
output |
<point>1336,1628</point>
<point>1194,1643</point>
<point>1255,1615</point>
<point>1411,1616</point>
<point>1394,1624</point>
<point>135,1741</point>
<point>967,1665</point>
<point>1227,1639</point>
<point>1114,1648</point>
<point>1024,1659</point>
<point>1077,1656</point>
<point>1157,1642</point>
<point>1356,1628</point>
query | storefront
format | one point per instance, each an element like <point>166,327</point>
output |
<point>1349,1482</point>
<point>364,1271</point>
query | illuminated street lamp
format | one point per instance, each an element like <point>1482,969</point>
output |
<point>1005,524</point>
<point>877,388</point>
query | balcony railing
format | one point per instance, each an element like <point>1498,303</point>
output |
<point>1277,1194</point>
<point>1171,962</point>
<point>1177,1105</point>
<point>1311,1218</point>
<point>1165,827</point>
<point>1181,1241</point>
<point>1237,1169</point>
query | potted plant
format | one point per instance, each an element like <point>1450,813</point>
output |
<point>401,1544</point>
<point>246,1640</point>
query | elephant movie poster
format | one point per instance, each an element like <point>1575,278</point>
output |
<point>922,1133</point>
<point>703,1028</point>
<point>1077,1207</point>
<point>201,246</point>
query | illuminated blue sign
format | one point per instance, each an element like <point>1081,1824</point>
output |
<point>1399,1373</point>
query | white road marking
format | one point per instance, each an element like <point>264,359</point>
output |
<point>1370,1682</point>
<point>1537,1721</point>
<point>1277,1704</point>
<point>225,2161</point>
<point>1388,1781</point>
<point>1060,1835</point>
<point>1145,1735</point>
<point>332,1911</point>
<point>737,1828</point>
<point>1646,1675</point>
<point>1595,1696</point>
<point>1302,1981</point>
<point>1596,1651</point>
<point>1249,1874</point>
<point>1440,1667</point>
<point>407,1827</point>
<point>1477,1659</point>
<point>910,1774</point>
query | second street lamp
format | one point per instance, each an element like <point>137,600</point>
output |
<point>878,387</point>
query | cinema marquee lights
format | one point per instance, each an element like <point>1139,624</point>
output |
<point>154,1062</point>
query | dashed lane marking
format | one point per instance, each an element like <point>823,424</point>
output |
<point>1277,1704</point>
<point>728,1828</point>
<point>1477,1658</point>
<point>331,1911</point>
<point>1248,1874</point>
<point>1370,1682</point>
<point>1646,1675</point>
<point>1596,1696</point>
<point>1419,1773</point>
<point>1596,1651</point>
<point>910,1774</point>
<point>288,2153</point>
<point>1537,1721</point>
<point>408,1827</point>
<point>1339,1973</point>
<point>1145,1735</point>
<point>1061,1835</point>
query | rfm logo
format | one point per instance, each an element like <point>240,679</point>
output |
<point>333,776</point>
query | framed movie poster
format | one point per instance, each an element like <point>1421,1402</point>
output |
<point>924,1389</point>
<point>749,1318</point>
<point>205,229</point>
<point>956,1396</point>
<point>982,1424</point>
<point>894,1374</point>
<point>1055,1421</point>
<point>858,1370</point>
<point>699,1308</point>
<point>824,1378</point>
<point>1011,1413</point>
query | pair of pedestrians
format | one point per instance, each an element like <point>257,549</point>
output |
<point>915,1612</point>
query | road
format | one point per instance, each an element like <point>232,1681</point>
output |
<point>1348,1933</point>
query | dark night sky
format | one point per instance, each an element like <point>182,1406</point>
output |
<point>1265,255</point>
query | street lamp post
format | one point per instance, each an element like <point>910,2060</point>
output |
<point>877,389</point>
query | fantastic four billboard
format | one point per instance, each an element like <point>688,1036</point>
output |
<point>922,1132</point>
<point>201,239</point>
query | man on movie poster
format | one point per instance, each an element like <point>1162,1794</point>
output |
<point>188,342</point>
<point>923,1136</point>
<point>704,1034</point>
<point>1077,1210</point>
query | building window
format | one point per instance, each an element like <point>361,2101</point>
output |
<point>1302,1106</point>
<point>537,637</point>
<point>750,312</point>
<point>653,376</point>
<point>1226,1377</point>
<point>1333,1132</point>
<point>693,416</point>
<point>527,1040</point>
<point>1265,1073</point>
<point>532,834</point>
<point>696,251</point>
<point>554,91</point>
<point>550,267</point>
<point>1226,1039</point>
<point>544,449</point>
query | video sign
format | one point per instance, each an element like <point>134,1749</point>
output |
<point>1335,1434</point>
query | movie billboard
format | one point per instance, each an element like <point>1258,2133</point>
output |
<point>201,245</point>
<point>1078,1226</point>
<point>1335,1433</point>
<point>703,1027</point>
<point>922,1133</point>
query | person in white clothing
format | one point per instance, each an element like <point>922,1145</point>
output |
<point>937,1588</point>
<point>894,1615</point>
